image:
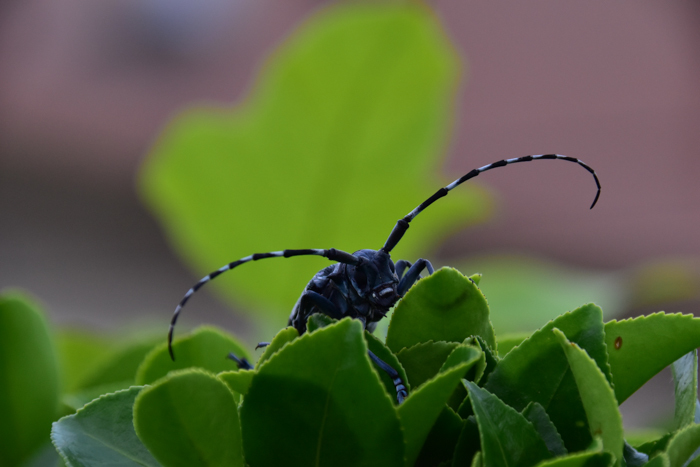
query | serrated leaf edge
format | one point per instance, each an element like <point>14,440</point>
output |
<point>103,396</point>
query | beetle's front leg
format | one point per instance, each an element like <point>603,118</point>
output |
<point>401,266</point>
<point>310,298</point>
<point>413,274</point>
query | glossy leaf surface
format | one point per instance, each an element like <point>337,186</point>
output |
<point>685,384</point>
<point>237,381</point>
<point>440,443</point>
<point>280,340</point>
<point>603,415</point>
<point>536,415</point>
<point>445,306</point>
<point>322,403</point>
<point>507,438</point>
<point>102,433</point>
<point>189,418</point>
<point>423,406</point>
<point>683,446</point>
<point>661,338</point>
<point>580,459</point>
<point>554,386</point>
<point>659,461</point>
<point>507,342</point>
<point>468,443</point>
<point>423,361</point>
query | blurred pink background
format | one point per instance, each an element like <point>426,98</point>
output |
<point>85,87</point>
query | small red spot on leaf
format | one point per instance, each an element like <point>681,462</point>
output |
<point>618,342</point>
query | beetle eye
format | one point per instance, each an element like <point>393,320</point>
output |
<point>360,279</point>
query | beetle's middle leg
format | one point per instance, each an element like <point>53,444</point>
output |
<point>243,364</point>
<point>401,391</point>
<point>413,274</point>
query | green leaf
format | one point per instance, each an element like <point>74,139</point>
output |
<point>490,358</point>
<point>100,364</point>
<point>507,342</point>
<point>237,381</point>
<point>652,448</point>
<point>121,366</point>
<point>465,353</point>
<point>28,378</point>
<point>525,292</point>
<point>660,338</point>
<point>683,446</point>
<point>685,382</point>
<point>318,321</point>
<point>598,398</point>
<point>445,306</point>
<point>102,433</point>
<point>189,418</point>
<point>423,361</point>
<point>335,410</point>
<point>45,456</point>
<point>659,461</point>
<point>538,371</point>
<point>80,353</point>
<point>361,91</point>
<point>507,438</point>
<point>535,414</point>
<point>639,436</point>
<point>423,406</point>
<point>280,340</point>
<point>476,278</point>
<point>468,443</point>
<point>581,459</point>
<point>440,443</point>
<point>81,397</point>
<point>206,347</point>
<point>382,351</point>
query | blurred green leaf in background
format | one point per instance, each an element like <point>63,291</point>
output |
<point>340,137</point>
<point>29,379</point>
<point>523,291</point>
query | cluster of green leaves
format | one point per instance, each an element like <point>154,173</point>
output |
<point>317,399</point>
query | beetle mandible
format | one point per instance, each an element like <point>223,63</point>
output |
<point>363,285</point>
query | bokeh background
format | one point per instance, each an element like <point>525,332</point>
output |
<point>85,89</point>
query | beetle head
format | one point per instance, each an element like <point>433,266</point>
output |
<point>375,278</point>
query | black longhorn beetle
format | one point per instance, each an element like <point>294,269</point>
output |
<point>363,285</point>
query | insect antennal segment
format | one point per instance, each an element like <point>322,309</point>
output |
<point>402,225</point>
<point>332,254</point>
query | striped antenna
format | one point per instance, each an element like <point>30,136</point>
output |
<point>403,224</point>
<point>332,254</point>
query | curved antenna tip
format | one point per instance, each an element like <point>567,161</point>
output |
<point>597,195</point>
